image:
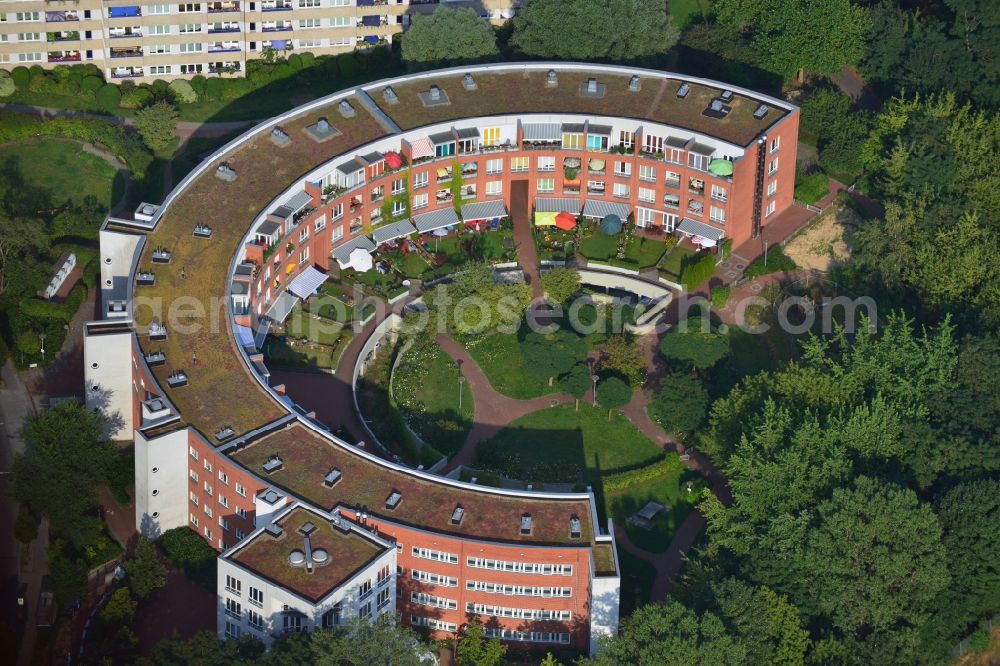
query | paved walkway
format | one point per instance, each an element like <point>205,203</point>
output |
<point>493,410</point>
<point>524,240</point>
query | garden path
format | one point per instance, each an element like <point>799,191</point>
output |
<point>524,240</point>
<point>493,411</point>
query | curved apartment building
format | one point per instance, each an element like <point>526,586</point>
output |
<point>189,286</point>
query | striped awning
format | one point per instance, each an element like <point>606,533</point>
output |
<point>557,205</point>
<point>343,253</point>
<point>297,201</point>
<point>307,282</point>
<point>542,131</point>
<point>600,209</point>
<point>696,228</point>
<point>393,230</point>
<point>421,148</point>
<point>282,307</point>
<point>435,220</point>
<point>483,210</point>
<point>244,336</point>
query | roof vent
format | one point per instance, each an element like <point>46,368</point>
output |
<point>346,109</point>
<point>393,500</point>
<point>551,80</point>
<point>525,523</point>
<point>323,125</point>
<point>457,515</point>
<point>148,209</point>
<point>271,496</point>
<point>273,464</point>
<point>469,82</point>
<point>435,94</point>
<point>307,529</point>
<point>297,558</point>
<point>320,556</point>
<point>683,90</point>
<point>761,111</point>
<point>726,96</point>
<point>634,83</point>
<point>340,524</point>
<point>592,86</point>
<point>332,477</point>
<point>390,95</point>
<point>574,527</point>
<point>274,529</point>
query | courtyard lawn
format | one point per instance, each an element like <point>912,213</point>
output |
<point>670,266</point>
<point>640,252</point>
<point>559,444</point>
<point>425,387</point>
<point>499,356</point>
<point>669,489</point>
<point>301,324</point>
<point>61,169</point>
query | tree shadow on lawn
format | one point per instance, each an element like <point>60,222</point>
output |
<point>535,454</point>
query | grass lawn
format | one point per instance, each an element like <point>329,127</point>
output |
<point>299,355</point>
<point>669,490</point>
<point>562,445</point>
<point>425,387</point>
<point>499,356</point>
<point>316,329</point>
<point>777,262</point>
<point>811,187</point>
<point>640,253</point>
<point>61,168</point>
<point>686,12</point>
<point>670,267</point>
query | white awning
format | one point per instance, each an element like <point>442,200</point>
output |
<point>435,220</point>
<point>601,209</point>
<point>696,228</point>
<point>483,210</point>
<point>542,131</point>
<point>421,148</point>
<point>343,253</point>
<point>282,307</point>
<point>557,205</point>
<point>307,282</point>
<point>360,260</point>
<point>391,231</point>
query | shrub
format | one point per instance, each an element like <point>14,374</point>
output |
<point>283,71</point>
<point>331,66</point>
<point>776,261</point>
<point>198,84</point>
<point>308,59</point>
<point>21,77</point>
<point>625,480</point>
<point>236,88</point>
<point>91,83</point>
<point>979,641</point>
<point>36,70</point>
<point>720,296</point>
<point>697,269</point>
<point>160,88</point>
<point>137,98</point>
<point>214,88</point>
<point>349,66</point>
<point>295,61</point>
<point>7,86</point>
<point>45,84</point>
<point>811,187</point>
<point>25,525</point>
<point>126,86</point>
<point>184,91</point>
<point>680,404</point>
<point>191,554</point>
<point>109,96</point>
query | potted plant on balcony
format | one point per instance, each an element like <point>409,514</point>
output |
<point>569,173</point>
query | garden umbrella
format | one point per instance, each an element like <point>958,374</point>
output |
<point>611,224</point>
<point>565,221</point>
<point>360,260</point>
<point>545,219</point>
<point>440,233</point>
<point>393,160</point>
<point>721,167</point>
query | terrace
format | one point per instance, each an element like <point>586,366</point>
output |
<point>268,555</point>
<point>307,457</point>
<point>226,395</point>
<point>527,92</point>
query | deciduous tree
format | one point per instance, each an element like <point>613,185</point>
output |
<point>613,393</point>
<point>695,348</point>
<point>146,573</point>
<point>474,650</point>
<point>577,381</point>
<point>622,357</point>
<point>156,124</point>
<point>680,403</point>
<point>448,34</point>
<point>561,284</point>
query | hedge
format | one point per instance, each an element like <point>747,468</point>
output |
<point>625,480</point>
<point>21,76</point>
<point>694,271</point>
<point>109,96</point>
<point>125,145</point>
<point>62,312</point>
<point>7,86</point>
<point>184,91</point>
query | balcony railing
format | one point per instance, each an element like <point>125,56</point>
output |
<point>224,28</point>
<point>126,53</point>
<point>126,72</point>
<point>63,56</point>
<point>275,6</point>
<point>218,7</point>
<point>62,36</point>
<point>134,32</point>
<point>277,28</point>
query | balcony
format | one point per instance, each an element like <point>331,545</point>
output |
<point>275,6</point>
<point>596,187</point>
<point>220,7</point>
<point>126,52</point>
<point>673,182</point>
<point>61,17</point>
<point>64,56</point>
<point>223,47</point>
<point>671,201</point>
<point>696,186</point>
<point>218,27</point>
<point>126,72</point>
<point>695,207</point>
<point>67,36</point>
<point>120,33</point>
<point>275,26</point>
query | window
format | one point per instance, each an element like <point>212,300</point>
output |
<point>494,188</point>
<point>673,179</point>
<point>208,511</point>
<point>546,185</point>
<point>652,143</point>
<point>241,512</point>
<point>772,167</point>
<point>772,188</point>
<point>156,49</point>
<point>647,173</point>
<point>421,621</point>
<point>435,555</point>
<point>309,3</point>
<point>223,501</point>
<point>491,136</point>
<point>626,139</point>
<point>623,169</point>
<point>193,452</point>
<point>399,186</point>
<point>309,23</point>
<point>494,166</point>
<point>194,476</point>
<point>398,207</point>
<point>647,195</point>
<point>529,636</point>
<point>240,534</point>
<point>424,599</point>
<point>365,610</point>
<point>597,143</point>
<point>256,620</point>
<point>233,585</point>
<point>303,234</point>
<point>775,144</point>
<point>319,224</point>
<point>770,209</point>
<point>520,567</point>
<point>518,613</point>
<point>444,149</point>
<point>208,488</point>
<point>700,162</point>
<point>194,519</point>
<point>717,214</point>
<point>572,141</point>
<point>518,590</point>
<point>670,221</point>
<point>420,201</point>
<point>240,490</point>
<point>208,466</point>
<point>331,618</point>
<point>189,7</point>
<point>719,193</point>
<point>341,21</point>
<point>675,155</point>
<point>291,622</point>
<point>546,164</point>
<point>433,578</point>
<point>28,16</point>
<point>256,596</point>
<point>158,9</point>
<point>645,217</point>
<point>161,69</point>
<point>671,201</point>
<point>519,164</point>
<point>193,497</point>
<point>223,477</point>
<point>420,179</point>
<point>621,191</point>
<point>337,212</point>
<point>233,608</point>
<point>232,629</point>
<point>190,27</point>
<point>158,29</point>
<point>382,599</point>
